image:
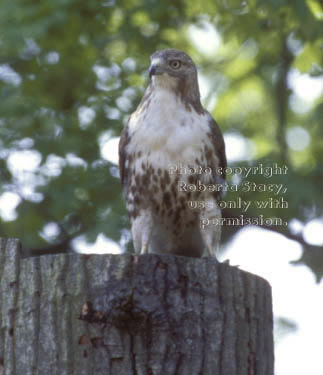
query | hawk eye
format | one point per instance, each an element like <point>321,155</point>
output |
<point>175,64</point>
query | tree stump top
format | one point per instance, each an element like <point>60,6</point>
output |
<point>125,314</point>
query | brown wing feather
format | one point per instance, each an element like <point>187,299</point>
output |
<point>124,140</point>
<point>219,149</point>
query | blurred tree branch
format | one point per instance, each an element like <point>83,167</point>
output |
<point>282,95</point>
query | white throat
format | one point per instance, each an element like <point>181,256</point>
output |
<point>163,81</point>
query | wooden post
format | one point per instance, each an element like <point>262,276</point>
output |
<point>131,315</point>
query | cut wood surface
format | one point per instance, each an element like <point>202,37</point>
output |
<point>131,315</point>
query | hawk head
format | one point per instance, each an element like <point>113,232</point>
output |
<point>174,70</point>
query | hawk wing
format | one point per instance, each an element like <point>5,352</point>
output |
<point>124,140</point>
<point>123,158</point>
<point>219,148</point>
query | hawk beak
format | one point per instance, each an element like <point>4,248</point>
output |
<point>156,67</point>
<point>152,70</point>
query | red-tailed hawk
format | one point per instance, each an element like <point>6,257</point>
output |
<point>167,139</point>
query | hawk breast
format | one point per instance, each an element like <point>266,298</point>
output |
<point>162,137</point>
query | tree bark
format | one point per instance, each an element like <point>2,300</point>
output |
<point>131,315</point>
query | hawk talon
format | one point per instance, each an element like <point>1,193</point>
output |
<point>144,250</point>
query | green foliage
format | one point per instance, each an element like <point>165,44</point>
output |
<point>69,56</point>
